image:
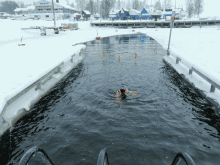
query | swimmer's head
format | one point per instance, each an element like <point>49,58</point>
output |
<point>123,92</point>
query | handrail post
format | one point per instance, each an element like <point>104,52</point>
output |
<point>171,26</point>
<point>212,88</point>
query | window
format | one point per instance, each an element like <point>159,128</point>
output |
<point>47,15</point>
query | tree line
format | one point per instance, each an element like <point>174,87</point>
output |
<point>194,7</point>
<point>103,7</point>
<point>8,7</point>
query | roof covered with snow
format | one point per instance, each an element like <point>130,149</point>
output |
<point>67,6</point>
<point>135,11</point>
<point>114,12</point>
<point>96,15</point>
<point>86,11</point>
<point>31,7</point>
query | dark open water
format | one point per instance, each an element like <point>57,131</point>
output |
<point>80,116</point>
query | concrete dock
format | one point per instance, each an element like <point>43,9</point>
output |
<point>155,24</point>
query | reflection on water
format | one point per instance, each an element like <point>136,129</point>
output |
<point>80,116</point>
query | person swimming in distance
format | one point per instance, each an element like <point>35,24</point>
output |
<point>123,91</point>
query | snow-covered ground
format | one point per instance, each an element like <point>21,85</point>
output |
<point>21,66</point>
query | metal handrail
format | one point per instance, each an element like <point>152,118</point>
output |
<point>191,69</point>
<point>183,156</point>
<point>26,89</point>
<point>31,152</point>
<point>103,158</point>
<point>206,78</point>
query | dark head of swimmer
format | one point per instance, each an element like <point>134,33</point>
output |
<point>123,93</point>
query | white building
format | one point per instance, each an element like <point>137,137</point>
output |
<point>43,10</point>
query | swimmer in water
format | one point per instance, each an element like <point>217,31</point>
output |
<point>123,91</point>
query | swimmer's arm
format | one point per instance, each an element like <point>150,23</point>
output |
<point>133,92</point>
<point>117,94</point>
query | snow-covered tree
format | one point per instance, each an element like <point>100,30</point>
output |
<point>157,5</point>
<point>198,7</point>
<point>189,8</point>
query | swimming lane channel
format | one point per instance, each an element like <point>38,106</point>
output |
<point>79,116</point>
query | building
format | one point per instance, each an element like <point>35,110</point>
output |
<point>4,15</point>
<point>114,14</point>
<point>145,14</point>
<point>86,14</point>
<point>96,16</point>
<point>135,14</point>
<point>124,14</point>
<point>43,10</point>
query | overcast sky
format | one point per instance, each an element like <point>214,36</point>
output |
<point>211,7</point>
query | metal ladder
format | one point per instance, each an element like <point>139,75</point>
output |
<point>102,158</point>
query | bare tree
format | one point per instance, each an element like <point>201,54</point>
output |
<point>118,4</point>
<point>198,7</point>
<point>80,4</point>
<point>141,5</point>
<point>189,8</point>
<point>106,6</point>
<point>90,6</point>
<point>157,5</point>
<point>128,4</point>
<point>8,6</point>
<point>167,4</point>
<point>72,4</point>
<point>136,4</point>
<point>97,6</point>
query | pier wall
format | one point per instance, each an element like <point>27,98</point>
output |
<point>21,103</point>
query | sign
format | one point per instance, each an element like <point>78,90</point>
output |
<point>78,15</point>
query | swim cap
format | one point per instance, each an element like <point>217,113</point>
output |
<point>122,86</point>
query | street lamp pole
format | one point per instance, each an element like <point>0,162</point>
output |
<point>53,14</point>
